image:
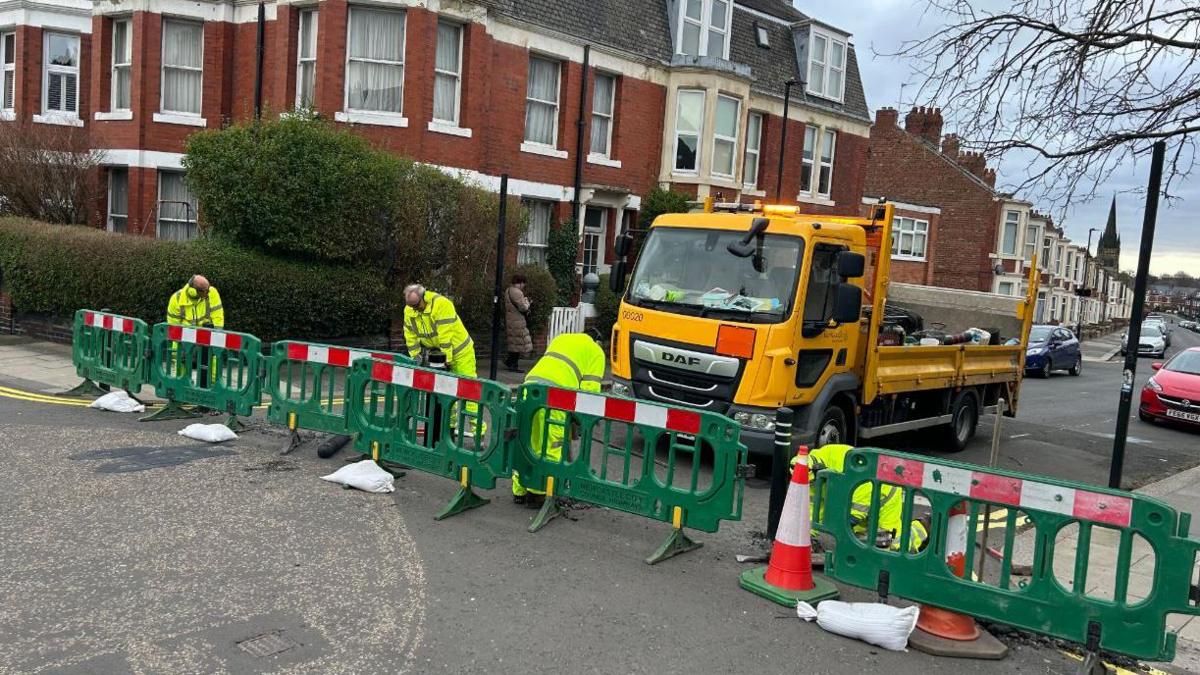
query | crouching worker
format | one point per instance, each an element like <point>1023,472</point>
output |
<point>891,503</point>
<point>571,361</point>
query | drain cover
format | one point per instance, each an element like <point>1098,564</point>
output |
<point>267,644</point>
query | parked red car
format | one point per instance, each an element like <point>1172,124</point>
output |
<point>1173,392</point>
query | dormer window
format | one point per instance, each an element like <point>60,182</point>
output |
<point>704,28</point>
<point>826,65</point>
<point>761,36</point>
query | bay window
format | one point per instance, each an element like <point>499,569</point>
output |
<point>1008,236</point>
<point>60,74</point>
<point>375,61</point>
<point>118,199</point>
<point>1031,241</point>
<point>176,208</point>
<point>182,66</point>
<point>689,125</point>
<point>729,112</point>
<point>531,249</point>
<point>122,62</point>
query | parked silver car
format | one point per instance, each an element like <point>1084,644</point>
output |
<point>1151,343</point>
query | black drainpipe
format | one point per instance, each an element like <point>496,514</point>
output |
<point>580,127</point>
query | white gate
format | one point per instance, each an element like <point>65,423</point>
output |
<point>564,320</point>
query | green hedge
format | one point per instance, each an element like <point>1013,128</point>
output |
<point>608,304</point>
<point>56,269</point>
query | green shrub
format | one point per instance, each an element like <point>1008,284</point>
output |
<point>296,187</point>
<point>608,304</point>
<point>562,252</point>
<point>55,270</point>
<point>658,202</point>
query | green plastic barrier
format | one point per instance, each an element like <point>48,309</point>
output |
<point>216,369</point>
<point>1100,614</point>
<point>306,381</point>
<point>427,419</point>
<point>612,459</point>
<point>109,349</point>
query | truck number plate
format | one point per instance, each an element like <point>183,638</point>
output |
<point>631,316</point>
<point>1191,417</point>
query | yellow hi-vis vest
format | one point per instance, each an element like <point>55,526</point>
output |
<point>572,361</point>
<point>437,326</point>
<point>203,310</point>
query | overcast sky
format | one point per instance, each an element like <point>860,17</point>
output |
<point>882,25</point>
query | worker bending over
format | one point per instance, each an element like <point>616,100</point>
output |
<point>891,503</point>
<point>431,322</point>
<point>571,361</point>
<point>196,304</point>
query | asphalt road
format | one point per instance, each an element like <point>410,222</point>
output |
<point>130,549</point>
<point>1065,425</point>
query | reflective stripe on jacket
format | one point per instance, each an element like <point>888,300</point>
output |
<point>203,310</point>
<point>891,499</point>
<point>571,361</point>
<point>437,326</point>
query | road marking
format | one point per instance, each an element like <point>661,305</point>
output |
<point>1018,436</point>
<point>1118,669</point>
<point>34,397</point>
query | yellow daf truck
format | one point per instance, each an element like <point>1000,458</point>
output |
<point>747,311</point>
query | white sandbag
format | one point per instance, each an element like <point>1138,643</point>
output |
<point>872,622</point>
<point>365,475</point>
<point>117,401</point>
<point>209,433</point>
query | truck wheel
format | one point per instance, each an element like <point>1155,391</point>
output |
<point>964,421</point>
<point>832,429</point>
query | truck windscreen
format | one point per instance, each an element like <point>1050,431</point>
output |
<point>690,271</point>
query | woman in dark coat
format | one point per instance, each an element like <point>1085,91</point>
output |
<point>516,323</point>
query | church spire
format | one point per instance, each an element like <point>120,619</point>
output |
<point>1108,251</point>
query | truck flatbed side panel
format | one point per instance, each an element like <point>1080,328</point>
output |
<point>902,369</point>
<point>984,364</point>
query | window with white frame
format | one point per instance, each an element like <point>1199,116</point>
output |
<point>60,74</point>
<point>1009,232</point>
<point>729,112</point>
<point>118,199</point>
<point>541,102</point>
<point>122,62</point>
<point>825,171</point>
<point>1005,288</point>
<point>8,61</point>
<point>826,65</point>
<point>1058,261</point>
<point>182,66</point>
<point>704,28</point>
<point>689,125</point>
<point>807,157</point>
<point>176,208</point>
<point>909,236</point>
<point>1053,307</point>
<point>604,90</point>
<point>447,73</point>
<point>753,150</point>
<point>1078,267</point>
<point>595,220</point>
<point>1040,310</point>
<point>375,61</point>
<point>1031,241</point>
<point>531,249</point>
<point>1046,244</point>
<point>306,59</point>
<point>1070,263</point>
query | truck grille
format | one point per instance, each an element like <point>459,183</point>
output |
<point>658,382</point>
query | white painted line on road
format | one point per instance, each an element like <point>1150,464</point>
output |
<point>1018,436</point>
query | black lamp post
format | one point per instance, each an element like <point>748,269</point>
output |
<point>787,101</point>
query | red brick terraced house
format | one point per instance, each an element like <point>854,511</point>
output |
<point>681,93</point>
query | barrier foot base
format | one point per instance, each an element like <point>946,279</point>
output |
<point>85,389</point>
<point>397,470</point>
<point>171,411</point>
<point>235,424</point>
<point>465,500</point>
<point>675,544</point>
<point>294,442</point>
<point>550,510</point>
<point>1092,665</point>
<point>755,581</point>
<point>986,646</point>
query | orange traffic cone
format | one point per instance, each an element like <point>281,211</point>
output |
<point>788,577</point>
<point>944,633</point>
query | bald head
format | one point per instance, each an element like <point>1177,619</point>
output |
<point>414,295</point>
<point>200,283</point>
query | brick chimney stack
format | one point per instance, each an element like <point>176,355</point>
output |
<point>925,123</point>
<point>887,116</point>
<point>950,146</point>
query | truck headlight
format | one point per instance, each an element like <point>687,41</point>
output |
<point>754,420</point>
<point>620,389</point>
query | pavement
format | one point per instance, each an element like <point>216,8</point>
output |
<point>134,550</point>
<point>1103,348</point>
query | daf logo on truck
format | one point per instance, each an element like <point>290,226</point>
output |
<point>680,359</point>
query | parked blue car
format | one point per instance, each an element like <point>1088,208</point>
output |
<point>1052,348</point>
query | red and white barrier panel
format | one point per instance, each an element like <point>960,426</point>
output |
<point>427,380</point>
<point>207,337</point>
<point>332,356</point>
<point>1081,504</point>
<point>111,322</point>
<point>625,410</point>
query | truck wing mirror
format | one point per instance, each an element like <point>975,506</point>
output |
<point>850,264</point>
<point>744,248</point>
<point>623,244</point>
<point>847,303</point>
<point>616,277</point>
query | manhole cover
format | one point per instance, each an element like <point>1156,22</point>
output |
<point>267,644</point>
